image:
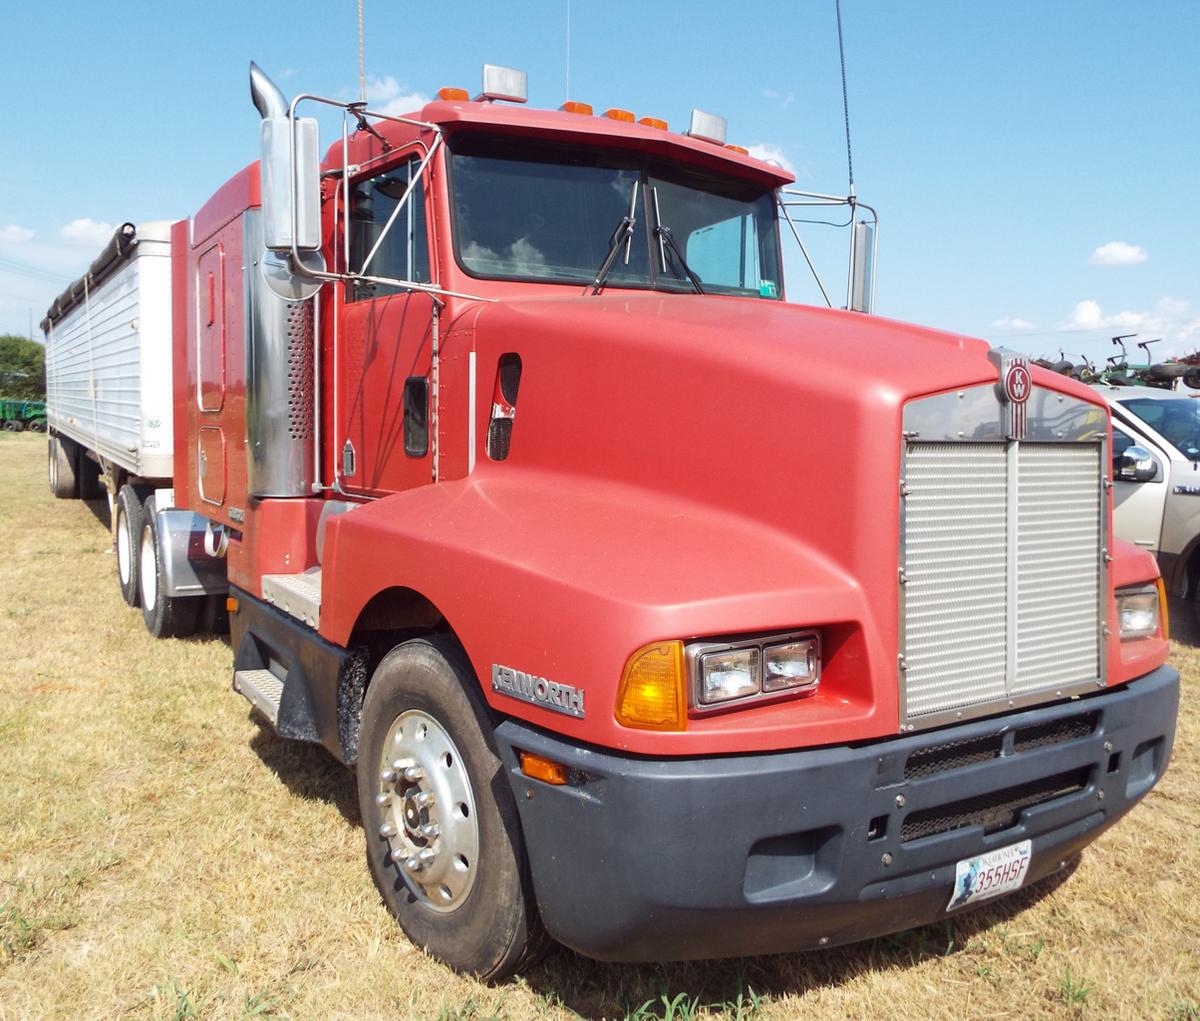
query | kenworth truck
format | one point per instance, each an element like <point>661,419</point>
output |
<point>656,614</point>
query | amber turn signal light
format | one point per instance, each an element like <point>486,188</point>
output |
<point>541,768</point>
<point>1163,616</point>
<point>231,604</point>
<point>652,694</point>
<point>453,94</point>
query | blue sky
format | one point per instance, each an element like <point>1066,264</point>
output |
<point>1031,161</point>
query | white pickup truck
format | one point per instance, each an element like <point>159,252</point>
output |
<point>1156,478</point>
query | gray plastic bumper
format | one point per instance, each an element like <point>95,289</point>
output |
<point>676,859</point>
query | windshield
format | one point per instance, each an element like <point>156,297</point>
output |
<point>554,215</point>
<point>1177,420</point>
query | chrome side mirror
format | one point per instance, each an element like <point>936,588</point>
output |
<point>291,188</point>
<point>1136,464</point>
<point>862,267</point>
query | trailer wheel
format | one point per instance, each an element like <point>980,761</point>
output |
<point>165,616</point>
<point>127,527</point>
<point>444,841</point>
<point>64,481</point>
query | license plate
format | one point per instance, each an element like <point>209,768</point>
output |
<point>989,875</point>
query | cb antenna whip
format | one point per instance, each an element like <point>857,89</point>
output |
<point>845,100</point>
<point>363,77</point>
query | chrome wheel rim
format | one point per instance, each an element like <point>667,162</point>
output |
<point>428,811</point>
<point>149,570</point>
<point>124,552</point>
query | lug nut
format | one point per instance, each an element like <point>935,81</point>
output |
<point>387,831</point>
<point>425,799</point>
<point>387,776</point>
<point>430,829</point>
<point>426,854</point>
<point>383,800</point>
<point>414,773</point>
<point>413,865</point>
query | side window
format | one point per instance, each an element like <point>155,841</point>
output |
<point>1122,441</point>
<point>404,253</point>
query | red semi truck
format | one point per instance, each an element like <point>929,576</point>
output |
<point>655,613</point>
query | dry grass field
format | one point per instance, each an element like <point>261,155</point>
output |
<point>163,855</point>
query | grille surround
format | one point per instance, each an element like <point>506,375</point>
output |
<point>1003,588</point>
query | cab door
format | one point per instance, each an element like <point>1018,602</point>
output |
<point>386,339</point>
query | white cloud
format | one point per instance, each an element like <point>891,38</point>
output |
<point>388,96</point>
<point>15,235</point>
<point>1118,253</point>
<point>86,231</point>
<point>1172,319</point>
<point>772,154</point>
<point>1013,323</point>
<point>782,99</point>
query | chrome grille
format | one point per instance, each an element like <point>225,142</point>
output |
<point>1001,574</point>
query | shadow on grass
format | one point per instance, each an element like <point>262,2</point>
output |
<point>596,990</point>
<point>1185,628</point>
<point>307,770</point>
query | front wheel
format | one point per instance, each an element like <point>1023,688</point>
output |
<point>443,838</point>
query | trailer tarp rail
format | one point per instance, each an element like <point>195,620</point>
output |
<point>123,241</point>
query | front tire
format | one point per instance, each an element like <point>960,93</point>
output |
<point>165,616</point>
<point>444,842</point>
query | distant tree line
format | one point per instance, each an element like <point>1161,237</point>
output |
<point>22,368</point>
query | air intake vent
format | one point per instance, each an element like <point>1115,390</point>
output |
<point>300,369</point>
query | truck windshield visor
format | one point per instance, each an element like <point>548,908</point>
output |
<point>1176,420</point>
<point>552,214</point>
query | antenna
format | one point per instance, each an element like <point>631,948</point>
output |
<point>845,99</point>
<point>362,77</point>
<point>568,49</point>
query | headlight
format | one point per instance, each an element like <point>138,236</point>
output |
<point>792,665</point>
<point>725,676</point>
<point>1138,612</point>
<point>753,669</point>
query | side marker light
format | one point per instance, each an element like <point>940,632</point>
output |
<point>541,768</point>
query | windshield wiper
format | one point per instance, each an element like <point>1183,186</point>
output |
<point>623,235</point>
<point>667,240</point>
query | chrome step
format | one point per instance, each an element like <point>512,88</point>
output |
<point>262,688</point>
<point>298,595</point>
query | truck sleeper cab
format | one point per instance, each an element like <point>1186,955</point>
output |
<point>506,429</point>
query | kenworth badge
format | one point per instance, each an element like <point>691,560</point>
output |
<point>561,698</point>
<point>1013,390</point>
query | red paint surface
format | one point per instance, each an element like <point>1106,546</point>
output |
<point>681,466</point>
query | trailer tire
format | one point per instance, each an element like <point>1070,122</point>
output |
<point>89,478</point>
<point>165,616</point>
<point>471,903</point>
<point>64,480</point>
<point>128,515</point>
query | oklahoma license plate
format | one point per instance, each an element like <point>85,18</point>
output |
<point>991,874</point>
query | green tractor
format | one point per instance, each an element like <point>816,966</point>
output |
<point>18,415</point>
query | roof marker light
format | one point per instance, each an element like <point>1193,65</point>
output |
<point>451,94</point>
<point>708,126</point>
<point>620,115</point>
<point>654,122</point>
<point>572,107</point>
<point>504,83</point>
<point>738,148</point>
